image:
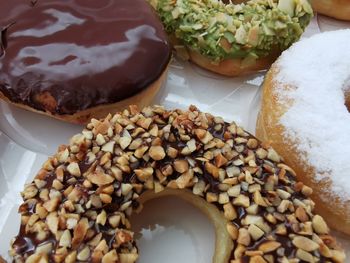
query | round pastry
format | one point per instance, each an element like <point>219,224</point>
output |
<point>79,204</point>
<point>339,9</point>
<point>305,115</point>
<point>77,59</point>
<point>233,39</point>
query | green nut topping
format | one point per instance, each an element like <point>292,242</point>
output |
<point>222,31</point>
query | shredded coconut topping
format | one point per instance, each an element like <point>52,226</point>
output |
<point>319,121</point>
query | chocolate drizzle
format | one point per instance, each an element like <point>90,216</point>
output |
<point>68,56</point>
<point>3,38</point>
<point>26,243</point>
<point>33,2</point>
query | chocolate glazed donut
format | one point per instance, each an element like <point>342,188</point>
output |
<point>79,205</point>
<point>73,58</point>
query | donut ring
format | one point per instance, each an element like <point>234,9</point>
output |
<point>339,9</point>
<point>233,39</point>
<point>304,127</point>
<point>71,59</point>
<point>79,204</point>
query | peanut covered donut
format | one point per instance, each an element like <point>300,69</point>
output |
<point>305,115</point>
<point>233,39</point>
<point>77,209</point>
<point>78,59</point>
<point>339,9</point>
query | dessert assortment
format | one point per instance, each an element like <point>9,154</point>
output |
<point>233,39</point>
<point>87,61</point>
<point>79,204</point>
<point>72,60</point>
<point>305,115</point>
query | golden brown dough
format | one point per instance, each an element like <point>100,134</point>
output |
<point>232,67</point>
<point>339,9</point>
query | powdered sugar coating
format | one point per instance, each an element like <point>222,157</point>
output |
<point>318,121</point>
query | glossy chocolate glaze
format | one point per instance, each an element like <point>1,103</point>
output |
<point>77,54</point>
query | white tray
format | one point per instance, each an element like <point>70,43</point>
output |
<point>165,234</point>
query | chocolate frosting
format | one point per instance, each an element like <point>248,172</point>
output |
<point>69,55</point>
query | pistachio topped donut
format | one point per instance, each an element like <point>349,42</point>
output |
<point>232,39</point>
<point>77,209</point>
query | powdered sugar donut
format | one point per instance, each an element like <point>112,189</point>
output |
<point>305,114</point>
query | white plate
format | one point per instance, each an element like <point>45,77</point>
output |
<point>169,230</point>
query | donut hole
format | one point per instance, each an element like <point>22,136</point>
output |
<point>171,230</point>
<point>223,241</point>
